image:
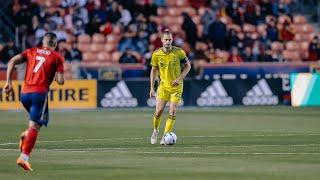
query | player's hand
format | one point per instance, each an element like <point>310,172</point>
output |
<point>176,82</point>
<point>7,88</point>
<point>152,93</point>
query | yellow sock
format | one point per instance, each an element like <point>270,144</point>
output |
<point>169,124</point>
<point>156,122</point>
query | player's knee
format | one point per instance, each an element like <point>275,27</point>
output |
<point>34,125</point>
<point>158,112</point>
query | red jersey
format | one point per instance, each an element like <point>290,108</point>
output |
<point>42,65</point>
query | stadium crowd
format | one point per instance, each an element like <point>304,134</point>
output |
<point>127,31</point>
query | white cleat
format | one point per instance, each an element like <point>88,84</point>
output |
<point>162,141</point>
<point>154,136</point>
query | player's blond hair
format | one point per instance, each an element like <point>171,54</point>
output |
<point>166,32</point>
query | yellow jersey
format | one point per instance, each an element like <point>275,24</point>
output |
<point>169,65</point>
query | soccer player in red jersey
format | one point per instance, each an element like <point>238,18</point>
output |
<point>43,66</point>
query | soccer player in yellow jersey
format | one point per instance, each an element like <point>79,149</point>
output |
<point>172,65</point>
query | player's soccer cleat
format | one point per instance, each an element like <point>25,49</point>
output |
<point>22,136</point>
<point>162,142</point>
<point>154,137</point>
<point>24,164</point>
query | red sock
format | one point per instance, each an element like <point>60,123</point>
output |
<point>29,141</point>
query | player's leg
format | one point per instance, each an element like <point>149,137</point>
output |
<point>160,105</point>
<point>26,102</point>
<point>162,99</point>
<point>36,111</point>
<point>175,99</point>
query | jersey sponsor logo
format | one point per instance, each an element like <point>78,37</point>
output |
<point>260,94</point>
<point>119,96</point>
<point>215,95</point>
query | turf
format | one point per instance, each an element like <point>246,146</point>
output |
<point>220,143</point>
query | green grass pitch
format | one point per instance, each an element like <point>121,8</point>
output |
<point>244,143</point>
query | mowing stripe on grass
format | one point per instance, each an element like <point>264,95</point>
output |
<point>116,150</point>
<point>140,138</point>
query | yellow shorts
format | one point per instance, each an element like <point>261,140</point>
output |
<point>172,96</point>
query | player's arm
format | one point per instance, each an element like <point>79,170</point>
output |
<point>186,68</point>
<point>59,78</point>
<point>153,76</point>
<point>17,59</point>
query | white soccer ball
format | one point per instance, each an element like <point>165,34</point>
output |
<point>170,138</point>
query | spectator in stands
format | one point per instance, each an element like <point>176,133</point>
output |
<point>141,42</point>
<point>234,56</point>
<point>61,33</point>
<point>41,31</point>
<point>263,39</point>
<point>232,38</point>
<point>247,54</point>
<point>190,29</point>
<point>9,51</point>
<point>81,13</point>
<point>286,33</point>
<point>197,3</point>
<point>277,56</point>
<point>159,3</point>
<point>217,34</point>
<point>314,49</point>
<point>128,57</point>
<point>97,14</point>
<point>266,7</point>
<point>272,31</point>
<point>56,18</point>
<point>254,17</point>
<point>255,50</point>
<point>264,55</point>
<point>62,49</point>
<point>125,16</point>
<point>113,13</point>
<point>208,17</point>
<point>74,54</point>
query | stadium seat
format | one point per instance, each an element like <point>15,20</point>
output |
<point>299,19</point>
<point>261,28</point>
<point>235,27</point>
<point>196,20</point>
<point>88,56</point>
<point>162,11</point>
<point>110,47</point>
<point>98,38</point>
<point>297,28</point>
<point>116,56</point>
<point>84,38</point>
<point>226,20</point>
<point>84,47</point>
<point>307,28</point>
<point>304,45</point>
<point>202,11</point>
<point>113,38</point>
<point>71,38</point>
<point>181,3</point>
<point>292,46</point>
<point>291,55</point>
<point>96,47</point>
<point>249,28</point>
<point>277,46</point>
<point>68,46</point>
<point>104,56</point>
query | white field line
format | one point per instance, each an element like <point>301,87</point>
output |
<point>140,138</point>
<point>123,151</point>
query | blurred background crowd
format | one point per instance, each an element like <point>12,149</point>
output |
<point>109,32</point>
